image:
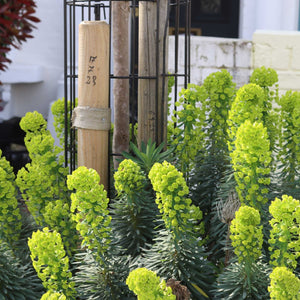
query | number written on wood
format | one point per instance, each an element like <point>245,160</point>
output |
<point>91,79</point>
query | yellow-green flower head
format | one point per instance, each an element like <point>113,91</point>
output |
<point>148,286</point>
<point>246,234</point>
<point>252,139</point>
<point>251,159</point>
<point>58,107</point>
<point>83,179</point>
<point>296,112</point>
<point>284,237</point>
<point>129,178</point>
<point>40,144</point>
<point>89,208</point>
<point>39,185</point>
<point>289,101</point>
<point>171,191</point>
<point>53,296</point>
<point>57,216</point>
<point>219,86</point>
<point>248,105</point>
<point>264,77</point>
<point>184,129</point>
<point>282,210</point>
<point>50,261</point>
<point>284,285</point>
<point>33,122</point>
<point>5,165</point>
<point>10,217</point>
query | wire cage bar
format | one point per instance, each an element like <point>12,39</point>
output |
<point>178,26</point>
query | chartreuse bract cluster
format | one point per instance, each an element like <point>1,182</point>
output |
<point>285,230</point>
<point>246,234</point>
<point>284,284</point>
<point>178,212</point>
<point>129,178</point>
<point>251,159</point>
<point>43,179</point>
<point>89,208</point>
<point>147,285</point>
<point>10,217</point>
<point>134,212</point>
<point>51,262</point>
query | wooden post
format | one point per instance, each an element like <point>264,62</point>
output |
<point>152,107</point>
<point>120,13</point>
<point>92,116</point>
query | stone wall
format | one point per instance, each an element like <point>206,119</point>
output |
<point>210,54</point>
<point>279,50</point>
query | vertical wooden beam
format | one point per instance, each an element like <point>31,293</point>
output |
<point>93,115</point>
<point>152,95</point>
<point>120,35</point>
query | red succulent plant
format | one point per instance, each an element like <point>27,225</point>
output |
<point>16,23</point>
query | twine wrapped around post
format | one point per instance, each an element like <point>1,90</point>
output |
<point>92,116</point>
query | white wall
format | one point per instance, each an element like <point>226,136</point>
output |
<point>267,15</point>
<point>209,54</point>
<point>279,50</point>
<point>45,50</point>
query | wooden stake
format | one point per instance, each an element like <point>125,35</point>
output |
<point>152,108</point>
<point>93,96</point>
<point>120,13</point>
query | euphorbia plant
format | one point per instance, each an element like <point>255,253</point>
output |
<point>251,159</point>
<point>284,238</point>
<point>289,139</point>
<point>179,245</point>
<point>266,78</point>
<point>129,179</point>
<point>220,91</point>
<point>58,111</point>
<point>43,179</point>
<point>254,103</point>
<point>57,216</point>
<point>10,217</point>
<point>89,208</point>
<point>178,212</point>
<point>248,105</point>
<point>103,269</point>
<point>133,210</point>
<point>246,235</point>
<point>183,132</point>
<point>246,278</point>
<point>212,159</point>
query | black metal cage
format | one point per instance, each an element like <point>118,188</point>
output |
<point>179,25</point>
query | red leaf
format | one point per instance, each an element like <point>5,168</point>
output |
<point>5,22</point>
<point>33,19</point>
<point>4,8</point>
